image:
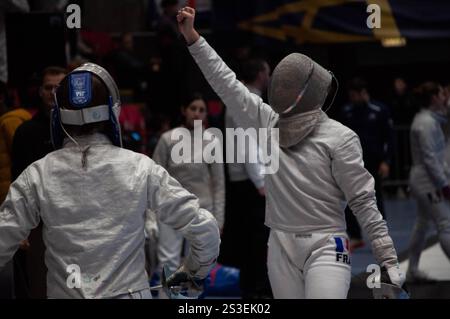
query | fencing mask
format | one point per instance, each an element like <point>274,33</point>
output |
<point>75,103</point>
<point>298,89</point>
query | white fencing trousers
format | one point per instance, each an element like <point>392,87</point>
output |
<point>309,266</point>
<point>431,208</point>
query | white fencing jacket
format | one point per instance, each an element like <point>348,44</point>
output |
<point>94,217</point>
<point>205,180</point>
<point>316,178</point>
<point>430,170</point>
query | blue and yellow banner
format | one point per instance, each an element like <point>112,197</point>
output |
<point>335,21</point>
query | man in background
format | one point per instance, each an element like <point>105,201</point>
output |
<point>373,125</point>
<point>245,235</point>
<point>32,142</point>
<point>10,119</point>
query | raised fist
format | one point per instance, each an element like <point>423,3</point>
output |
<point>185,18</point>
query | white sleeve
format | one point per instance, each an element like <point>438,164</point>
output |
<point>151,224</point>
<point>179,209</point>
<point>246,108</point>
<point>359,190</point>
<point>19,214</point>
<point>433,164</point>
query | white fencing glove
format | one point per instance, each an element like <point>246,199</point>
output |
<point>396,276</point>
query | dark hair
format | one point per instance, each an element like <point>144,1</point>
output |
<point>251,69</point>
<point>357,84</point>
<point>190,98</point>
<point>100,96</point>
<point>168,3</point>
<point>186,102</point>
<point>425,92</point>
<point>52,70</point>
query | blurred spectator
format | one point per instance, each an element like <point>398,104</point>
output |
<point>403,108</point>
<point>244,242</point>
<point>132,122</point>
<point>239,53</point>
<point>28,94</point>
<point>174,60</point>
<point>32,142</point>
<point>114,16</point>
<point>10,120</point>
<point>430,175</point>
<point>158,124</point>
<point>167,26</point>
<point>129,69</point>
<point>5,7</point>
<point>201,176</point>
<point>373,124</point>
<point>94,45</point>
<point>402,105</point>
<point>256,75</point>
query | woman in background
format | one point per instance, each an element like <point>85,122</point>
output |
<point>204,180</point>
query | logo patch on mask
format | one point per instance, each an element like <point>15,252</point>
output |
<point>80,86</point>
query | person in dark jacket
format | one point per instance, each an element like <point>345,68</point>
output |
<point>32,142</point>
<point>373,124</point>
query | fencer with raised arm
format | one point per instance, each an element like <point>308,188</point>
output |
<point>320,169</point>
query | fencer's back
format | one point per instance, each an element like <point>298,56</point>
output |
<point>94,217</point>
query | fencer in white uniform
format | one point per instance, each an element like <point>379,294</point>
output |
<point>429,176</point>
<point>447,128</point>
<point>200,176</point>
<point>92,197</point>
<point>320,170</point>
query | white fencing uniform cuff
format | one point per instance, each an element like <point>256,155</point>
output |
<point>384,251</point>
